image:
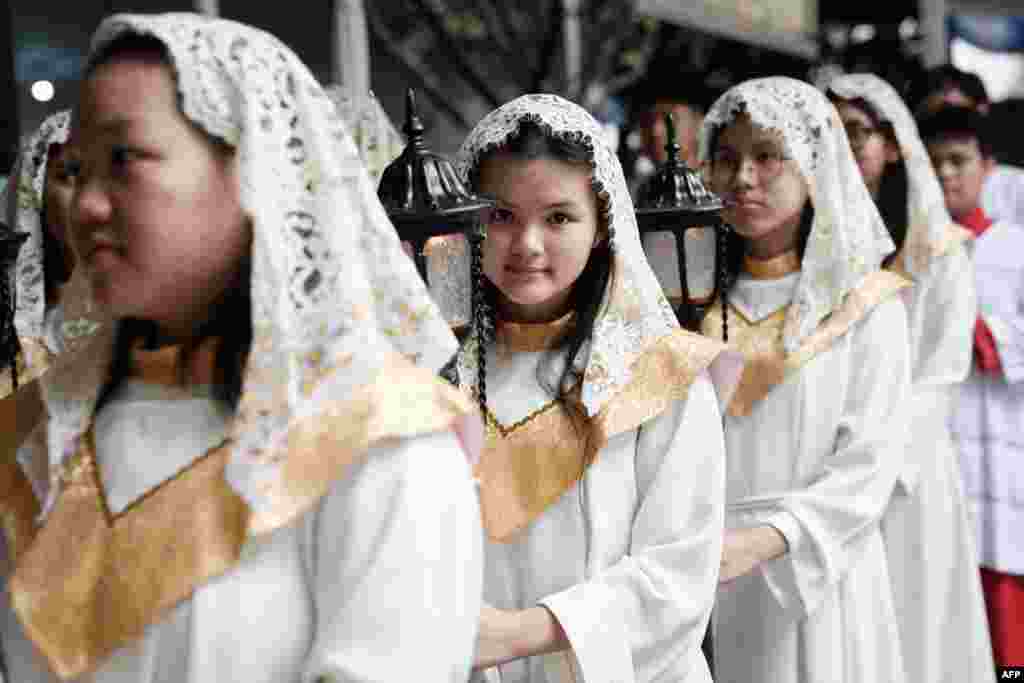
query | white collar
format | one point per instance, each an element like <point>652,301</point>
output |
<point>758,299</point>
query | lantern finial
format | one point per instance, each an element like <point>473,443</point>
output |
<point>671,146</point>
<point>413,127</point>
<point>423,194</point>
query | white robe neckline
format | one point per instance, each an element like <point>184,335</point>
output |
<point>759,299</point>
<point>183,425</point>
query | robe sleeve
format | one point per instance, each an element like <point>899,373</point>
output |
<point>949,304</point>
<point>825,522</point>
<point>946,303</point>
<point>395,558</point>
<point>1006,322</point>
<point>645,614</point>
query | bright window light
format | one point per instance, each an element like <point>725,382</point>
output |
<point>42,91</point>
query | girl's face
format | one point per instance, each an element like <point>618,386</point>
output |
<point>764,190</point>
<point>540,236</point>
<point>156,214</point>
<point>871,147</point>
<point>57,193</point>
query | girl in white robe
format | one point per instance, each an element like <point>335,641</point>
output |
<point>253,475</point>
<point>929,541</point>
<point>35,205</point>
<point>815,432</point>
<point>600,482</point>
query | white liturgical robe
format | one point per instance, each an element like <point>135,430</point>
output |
<point>627,559</point>
<point>380,581</point>
<point>928,535</point>
<point>817,458</point>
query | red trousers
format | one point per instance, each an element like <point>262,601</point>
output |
<point>1004,600</point>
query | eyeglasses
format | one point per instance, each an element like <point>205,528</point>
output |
<point>859,134</point>
<point>726,163</point>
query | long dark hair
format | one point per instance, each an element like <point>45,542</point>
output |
<point>231,321</point>
<point>892,192</point>
<point>535,140</point>
<point>10,347</point>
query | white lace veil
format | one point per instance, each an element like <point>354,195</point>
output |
<point>928,219</point>
<point>375,136</point>
<point>635,313</point>
<point>334,297</point>
<point>41,333</point>
<point>848,239</point>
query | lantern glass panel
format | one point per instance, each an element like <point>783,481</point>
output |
<point>448,276</point>
<point>663,254</point>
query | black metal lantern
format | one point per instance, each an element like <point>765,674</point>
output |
<point>10,245</point>
<point>675,200</point>
<point>423,195</point>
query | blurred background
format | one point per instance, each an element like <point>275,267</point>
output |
<point>622,59</point>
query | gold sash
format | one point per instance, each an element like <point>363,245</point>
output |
<point>528,466</point>
<point>767,363</point>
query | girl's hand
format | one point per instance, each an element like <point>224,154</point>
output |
<point>744,549</point>
<point>507,635</point>
<point>494,639</point>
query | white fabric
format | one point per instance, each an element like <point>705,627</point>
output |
<point>848,239</point>
<point>628,559</point>
<point>186,424</point>
<point>333,293</point>
<point>928,534</point>
<point>988,420</point>
<point>928,537</point>
<point>621,332</point>
<point>932,555</point>
<point>378,141</point>
<point>758,299</point>
<point>24,215</point>
<point>1002,195</point>
<point>381,581</point>
<point>928,219</point>
<point>815,459</point>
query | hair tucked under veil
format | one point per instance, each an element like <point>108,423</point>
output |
<point>847,239</point>
<point>634,313</point>
<point>928,220</point>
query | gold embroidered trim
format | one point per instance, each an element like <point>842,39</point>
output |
<point>492,423</point>
<point>30,363</point>
<point>19,413</point>
<point>533,336</point>
<point>80,325</point>
<point>403,402</point>
<point>526,468</point>
<point>773,268</point>
<point>954,236</point>
<point>18,509</point>
<point>767,364</point>
<point>89,583</point>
